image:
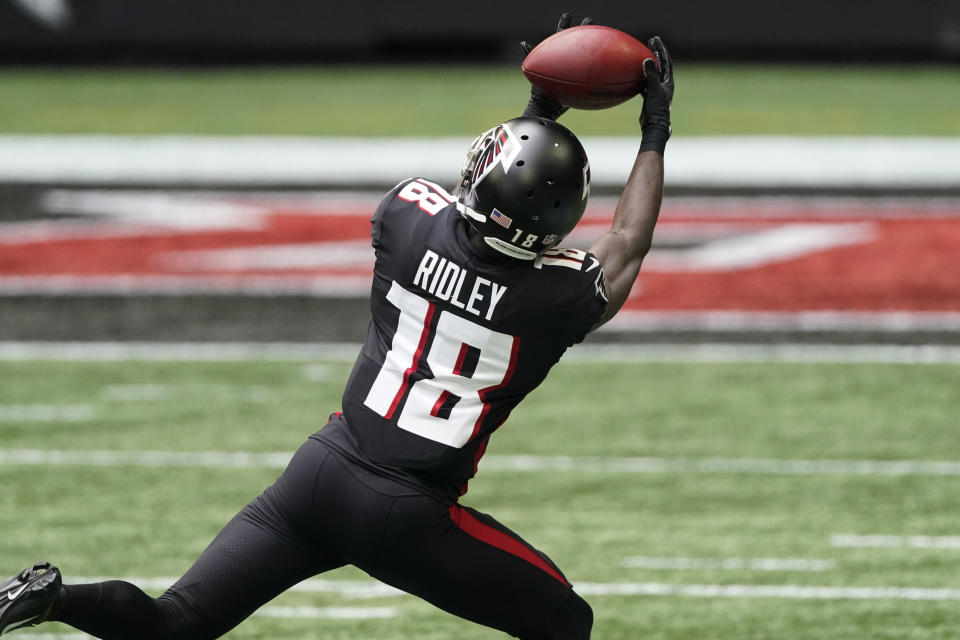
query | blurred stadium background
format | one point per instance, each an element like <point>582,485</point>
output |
<point>184,260</point>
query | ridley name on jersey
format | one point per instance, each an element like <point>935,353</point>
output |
<point>445,279</point>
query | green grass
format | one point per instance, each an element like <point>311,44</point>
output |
<point>153,521</point>
<point>432,101</point>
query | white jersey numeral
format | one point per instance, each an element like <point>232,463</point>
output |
<point>429,196</point>
<point>467,361</point>
<point>416,315</point>
<point>562,257</point>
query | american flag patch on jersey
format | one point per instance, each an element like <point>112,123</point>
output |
<point>500,219</point>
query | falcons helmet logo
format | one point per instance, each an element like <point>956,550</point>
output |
<point>503,147</point>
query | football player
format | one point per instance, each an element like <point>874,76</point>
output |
<point>473,301</point>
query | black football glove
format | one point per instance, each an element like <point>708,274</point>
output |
<point>541,105</point>
<point>657,97</point>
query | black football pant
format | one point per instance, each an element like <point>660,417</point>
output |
<point>324,512</point>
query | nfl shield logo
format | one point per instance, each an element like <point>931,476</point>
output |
<point>500,219</point>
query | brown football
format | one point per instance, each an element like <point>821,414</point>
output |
<point>588,67</point>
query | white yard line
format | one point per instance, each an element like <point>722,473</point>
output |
<point>177,351</point>
<point>889,541</point>
<point>349,589</point>
<point>269,611</point>
<point>803,592</point>
<point>770,466</point>
<point>502,463</point>
<point>352,613</point>
<point>347,352</point>
<point>164,459</point>
<point>170,392</point>
<point>53,413</point>
<point>774,352</point>
<point>316,372</point>
<point>790,591</point>
<point>729,564</point>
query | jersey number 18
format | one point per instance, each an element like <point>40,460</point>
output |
<point>466,362</point>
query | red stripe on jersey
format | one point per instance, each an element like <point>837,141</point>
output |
<point>435,412</point>
<point>424,334</point>
<point>464,349</point>
<point>574,260</point>
<point>476,463</point>
<point>482,449</point>
<point>467,523</point>
<point>506,380</point>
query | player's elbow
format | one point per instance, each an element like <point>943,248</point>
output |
<point>639,245</point>
<point>633,243</point>
<point>642,249</point>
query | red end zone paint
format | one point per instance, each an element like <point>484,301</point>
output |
<point>909,265</point>
<point>112,249</point>
<point>801,255</point>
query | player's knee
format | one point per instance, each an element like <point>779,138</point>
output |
<point>132,612</point>
<point>116,595</point>
<point>179,621</point>
<point>572,620</point>
<point>580,619</point>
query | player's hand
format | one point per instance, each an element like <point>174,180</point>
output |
<point>657,98</point>
<point>541,104</point>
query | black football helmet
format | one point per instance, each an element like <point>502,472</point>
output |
<point>524,186</point>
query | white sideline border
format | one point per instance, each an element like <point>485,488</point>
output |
<point>887,322</point>
<point>498,463</point>
<point>728,161</point>
<point>15,351</point>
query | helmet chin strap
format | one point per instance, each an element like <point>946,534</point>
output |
<point>469,212</point>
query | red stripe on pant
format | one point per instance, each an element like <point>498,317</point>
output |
<point>466,522</point>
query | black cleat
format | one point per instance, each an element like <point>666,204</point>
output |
<point>27,599</point>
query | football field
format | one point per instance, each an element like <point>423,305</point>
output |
<point>763,445</point>
<point>683,496</point>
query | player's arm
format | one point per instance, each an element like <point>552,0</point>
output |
<point>621,249</point>
<point>542,105</point>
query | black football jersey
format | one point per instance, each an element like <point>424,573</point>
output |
<point>455,343</point>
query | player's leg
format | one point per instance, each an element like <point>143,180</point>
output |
<point>257,555</point>
<point>467,563</point>
<point>458,559</point>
